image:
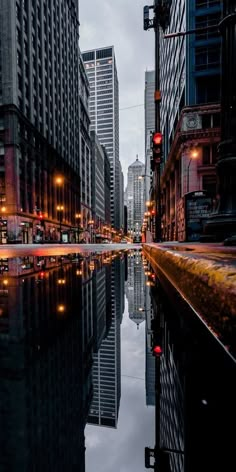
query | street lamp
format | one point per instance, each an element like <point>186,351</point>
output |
<point>59,180</point>
<point>141,177</point>
<point>60,209</point>
<point>193,155</point>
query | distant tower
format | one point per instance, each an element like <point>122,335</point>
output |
<point>135,197</point>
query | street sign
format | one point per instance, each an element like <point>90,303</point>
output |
<point>198,207</point>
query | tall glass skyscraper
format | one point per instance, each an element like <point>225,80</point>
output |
<point>100,65</point>
<point>149,109</point>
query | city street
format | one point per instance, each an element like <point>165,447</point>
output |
<point>117,235</point>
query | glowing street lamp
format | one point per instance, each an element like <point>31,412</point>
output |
<point>59,180</point>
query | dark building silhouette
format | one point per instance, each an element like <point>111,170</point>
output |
<point>45,368</point>
<point>39,118</point>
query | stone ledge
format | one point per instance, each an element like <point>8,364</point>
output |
<point>204,275</point>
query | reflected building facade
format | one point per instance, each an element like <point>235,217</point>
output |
<point>106,363</point>
<point>149,358</point>
<point>99,307</point>
<point>45,366</point>
<point>195,401</point>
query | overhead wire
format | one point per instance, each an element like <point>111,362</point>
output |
<point>133,106</point>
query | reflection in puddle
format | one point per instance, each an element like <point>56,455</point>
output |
<point>60,364</point>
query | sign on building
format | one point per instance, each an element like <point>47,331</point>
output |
<point>198,207</point>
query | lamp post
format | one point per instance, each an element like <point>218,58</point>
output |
<point>60,209</point>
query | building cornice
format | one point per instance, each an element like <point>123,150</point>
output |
<point>184,139</point>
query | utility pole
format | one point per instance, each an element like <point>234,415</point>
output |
<point>160,20</point>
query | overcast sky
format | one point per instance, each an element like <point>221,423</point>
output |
<point>119,23</point>
<point>122,449</point>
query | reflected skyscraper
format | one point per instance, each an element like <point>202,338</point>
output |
<point>135,288</point>
<point>149,358</point>
<point>106,363</point>
<point>99,307</point>
<point>45,378</point>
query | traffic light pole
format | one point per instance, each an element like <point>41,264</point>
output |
<point>157,126</point>
<point>161,9</point>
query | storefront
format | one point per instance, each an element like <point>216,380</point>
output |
<point>3,231</point>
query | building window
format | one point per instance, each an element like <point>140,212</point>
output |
<point>209,184</point>
<point>207,89</point>
<point>207,3</point>
<point>206,155</point>
<point>207,57</point>
<point>204,22</point>
<point>209,154</point>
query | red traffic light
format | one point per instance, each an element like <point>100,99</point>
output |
<point>157,351</point>
<point>157,138</point>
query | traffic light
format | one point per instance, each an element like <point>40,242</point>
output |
<point>156,337</point>
<point>146,17</point>
<point>157,350</point>
<point>157,139</point>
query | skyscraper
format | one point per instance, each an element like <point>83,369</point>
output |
<point>121,198</point>
<point>39,118</point>
<point>135,197</point>
<point>100,65</point>
<point>149,108</point>
<point>85,155</point>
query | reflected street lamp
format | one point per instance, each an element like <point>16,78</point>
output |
<point>60,209</point>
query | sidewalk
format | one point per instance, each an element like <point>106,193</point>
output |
<point>204,275</point>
